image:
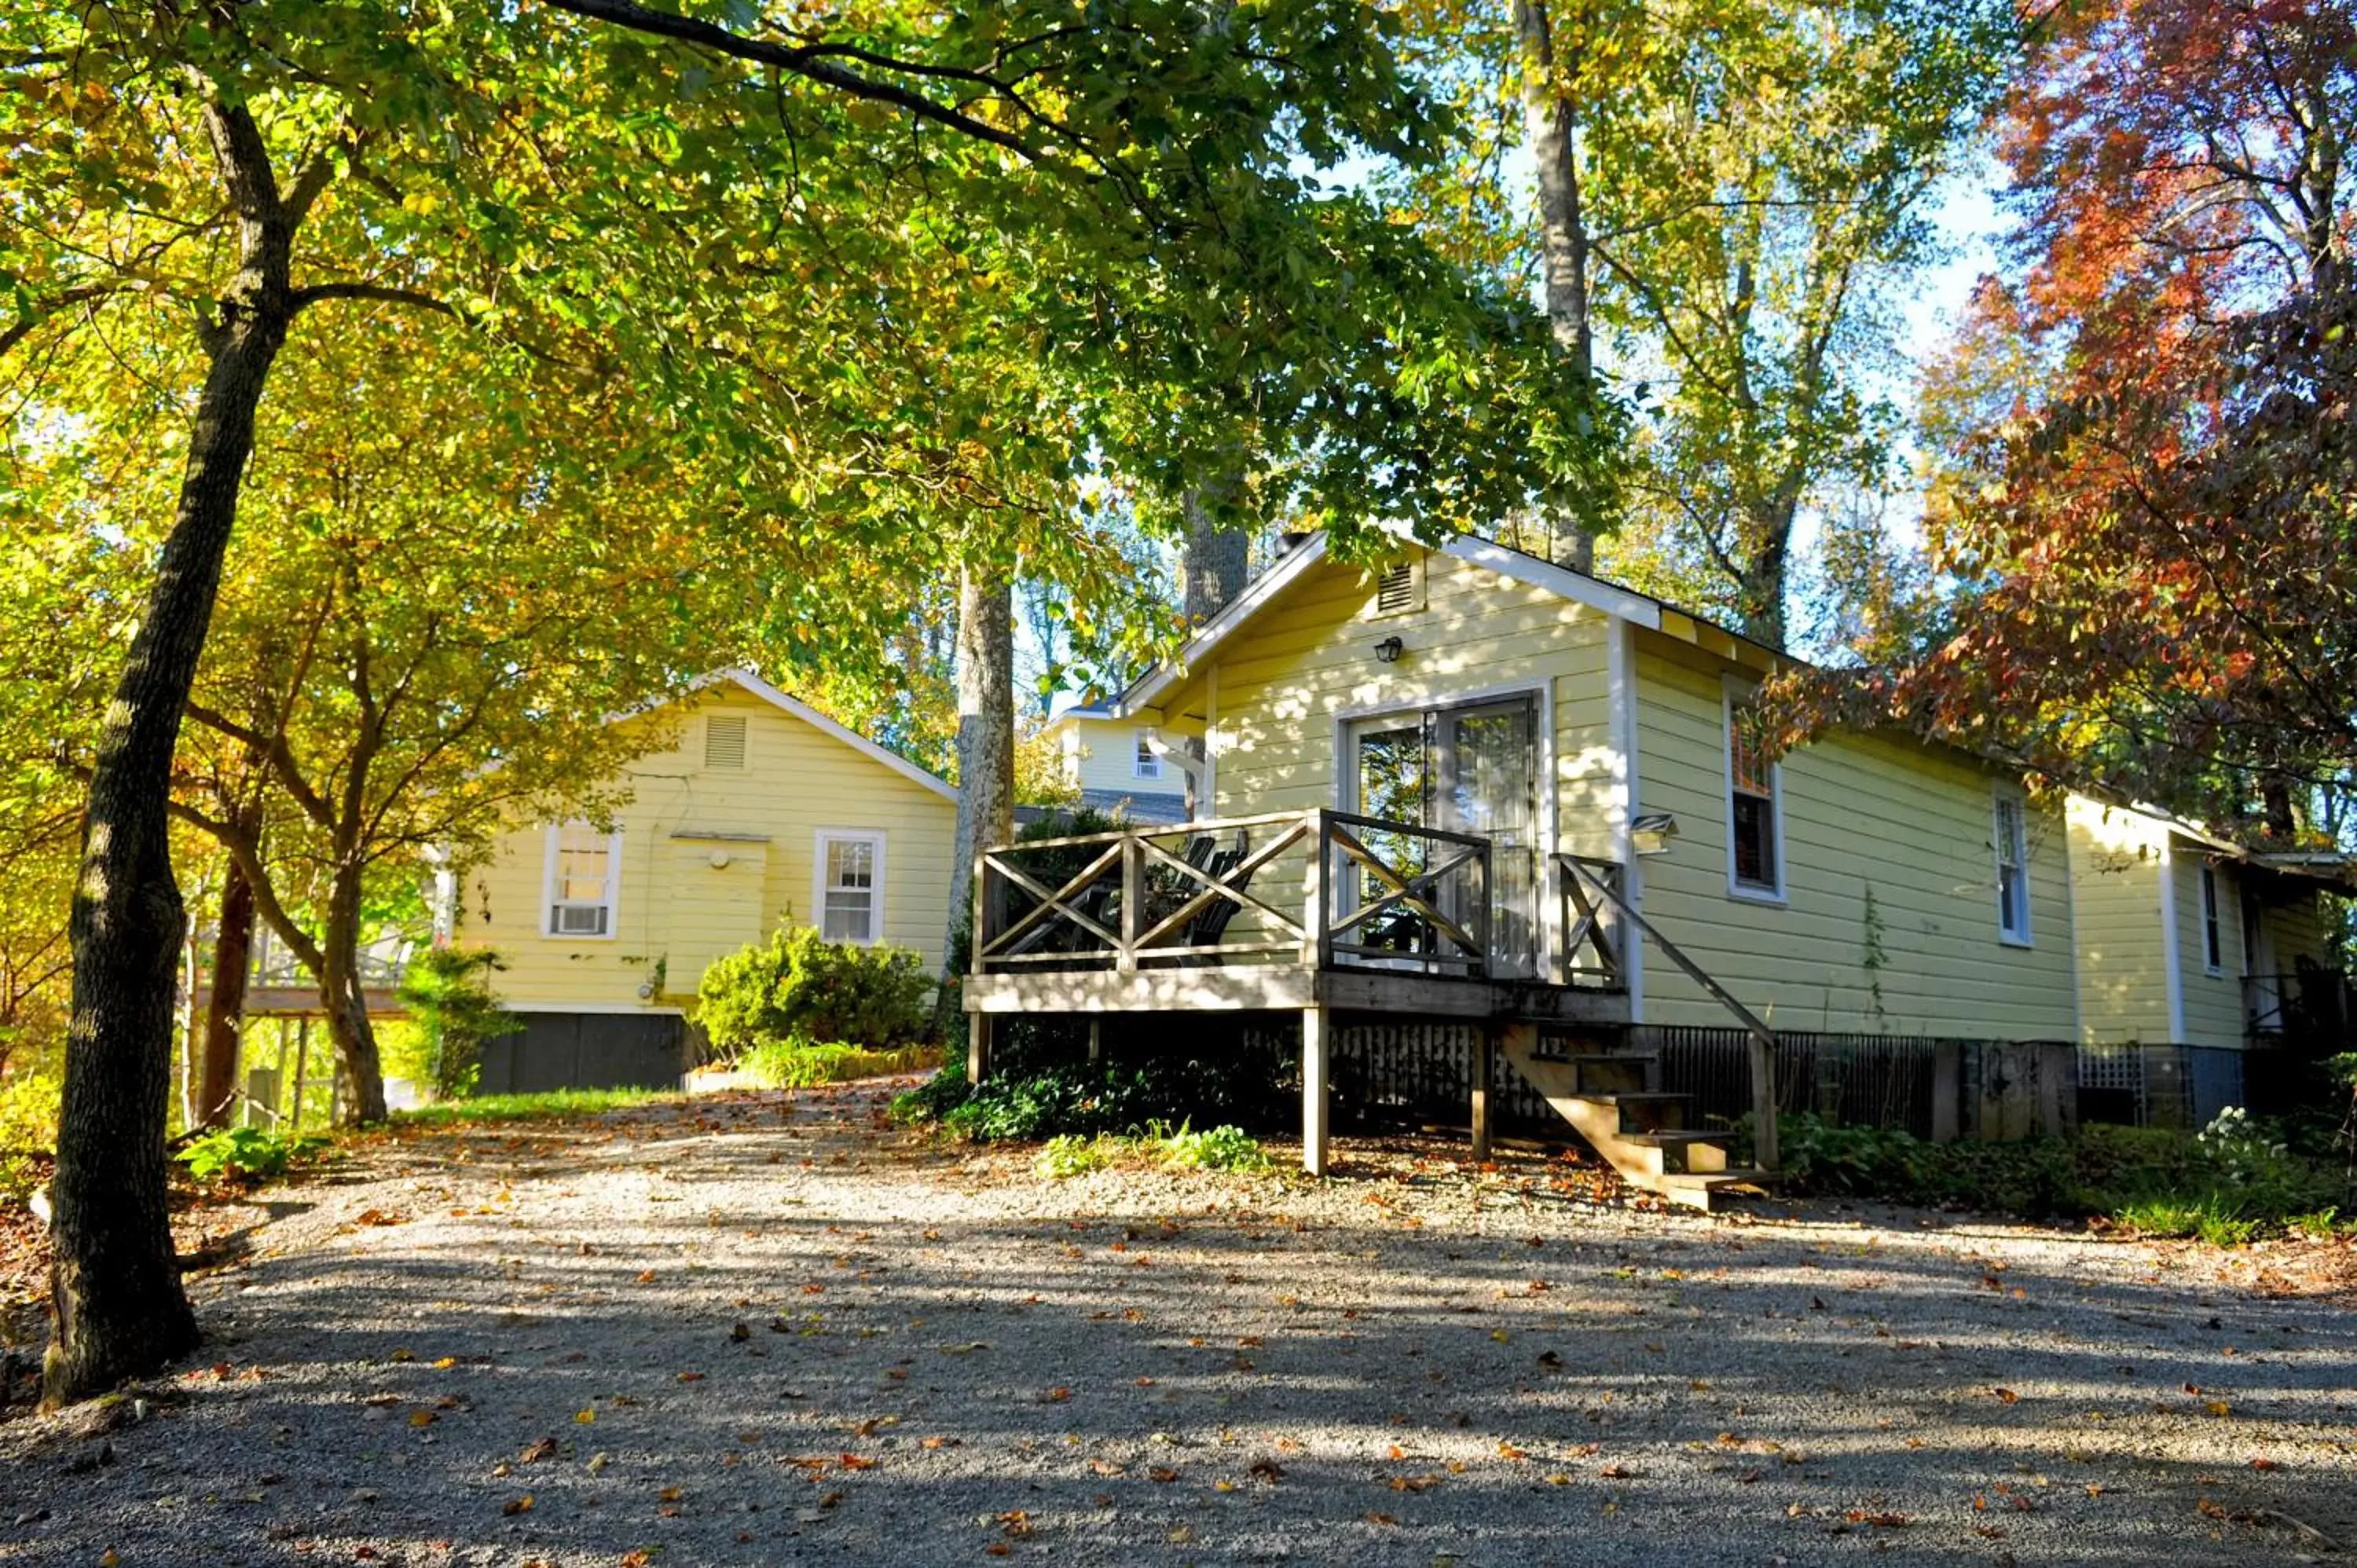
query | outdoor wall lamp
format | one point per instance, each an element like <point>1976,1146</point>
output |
<point>1651,832</point>
<point>1389,650</point>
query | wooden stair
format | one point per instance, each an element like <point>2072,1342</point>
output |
<point>1614,1098</point>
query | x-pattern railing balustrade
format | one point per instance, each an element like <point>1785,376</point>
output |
<point>1153,895</point>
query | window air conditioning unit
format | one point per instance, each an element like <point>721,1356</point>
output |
<point>578,919</point>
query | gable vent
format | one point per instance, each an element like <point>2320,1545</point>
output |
<point>1400,588</point>
<point>724,742</point>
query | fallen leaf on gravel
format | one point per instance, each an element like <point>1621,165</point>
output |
<point>1163,1473</point>
<point>517,1505</point>
<point>691,1377</point>
<point>2265,1464</point>
<point>966,1349</point>
<point>1880,1521</point>
<point>445,1363</point>
<point>1381,1519</point>
<point>1416,1483</point>
<point>421,1418</point>
<point>2218,1407</point>
<point>668,1495</point>
<point>534,1452</point>
<point>1107,1468</point>
<point>1617,1473</point>
<point>1055,1396</point>
<point>583,1416</point>
<point>1269,1470</point>
<point>2007,1395</point>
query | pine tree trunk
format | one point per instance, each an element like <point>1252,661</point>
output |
<point>225,1007</point>
<point>986,733</point>
<point>114,1283</point>
<point>1549,122</point>
<point>1216,560</point>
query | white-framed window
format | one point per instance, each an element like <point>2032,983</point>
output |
<point>723,741</point>
<point>1755,804</point>
<point>1145,762</point>
<point>2213,941</point>
<point>849,897</point>
<point>2009,839</point>
<point>582,882</point>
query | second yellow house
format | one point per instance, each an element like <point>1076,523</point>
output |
<point>753,808</point>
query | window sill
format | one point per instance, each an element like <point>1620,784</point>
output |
<point>1773,897</point>
<point>2005,941</point>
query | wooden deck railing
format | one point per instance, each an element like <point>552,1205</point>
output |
<point>1593,890</point>
<point>1317,888</point>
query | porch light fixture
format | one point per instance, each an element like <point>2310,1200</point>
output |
<point>1389,650</point>
<point>1652,832</point>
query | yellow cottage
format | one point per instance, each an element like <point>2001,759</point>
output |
<point>1119,767</point>
<point>2187,938</point>
<point>1481,787</point>
<point>759,810</point>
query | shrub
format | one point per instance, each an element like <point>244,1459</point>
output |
<point>1213,1149</point>
<point>796,986</point>
<point>247,1153</point>
<point>448,995</point>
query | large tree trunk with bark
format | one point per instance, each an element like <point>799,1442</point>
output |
<point>114,1281</point>
<point>1550,121</point>
<point>225,1006</point>
<point>985,732</point>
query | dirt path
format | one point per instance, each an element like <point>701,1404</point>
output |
<point>769,1330</point>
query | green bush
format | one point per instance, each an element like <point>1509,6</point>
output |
<point>247,1153</point>
<point>1089,1098</point>
<point>452,1012</point>
<point>803,1064</point>
<point>1213,1149</point>
<point>1069,1155</point>
<point>795,986</point>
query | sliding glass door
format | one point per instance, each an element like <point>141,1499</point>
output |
<point>1466,769</point>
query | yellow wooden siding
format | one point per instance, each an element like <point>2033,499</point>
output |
<point>2116,857</point>
<point>2298,926</point>
<point>675,909</point>
<point>1101,754</point>
<point>1277,691</point>
<point>1911,823</point>
<point>2213,1003</point>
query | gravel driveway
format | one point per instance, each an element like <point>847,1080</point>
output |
<point>768,1329</point>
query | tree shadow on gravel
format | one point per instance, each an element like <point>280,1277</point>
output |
<point>711,1352</point>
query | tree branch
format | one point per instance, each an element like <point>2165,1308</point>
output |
<point>811,63</point>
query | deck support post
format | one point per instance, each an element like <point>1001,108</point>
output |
<point>1316,1031</point>
<point>1485,1050</point>
<point>977,1046</point>
<point>1096,1037</point>
<point>1764,1105</point>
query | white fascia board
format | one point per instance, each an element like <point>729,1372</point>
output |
<point>1576,587</point>
<point>824,725</point>
<point>1156,682</point>
<point>1561,581</point>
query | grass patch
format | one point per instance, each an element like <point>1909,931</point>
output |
<point>552,1105</point>
<point>807,1063</point>
<point>1180,1148</point>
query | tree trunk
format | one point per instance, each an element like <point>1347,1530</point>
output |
<point>986,733</point>
<point>225,1008</point>
<point>1767,563</point>
<point>1216,559</point>
<point>114,1283</point>
<point>1549,121</point>
<point>345,1001</point>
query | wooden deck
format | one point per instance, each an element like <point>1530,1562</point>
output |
<point>1272,987</point>
<point>1329,915</point>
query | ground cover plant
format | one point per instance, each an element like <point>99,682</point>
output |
<point>1220,1148</point>
<point>554,1104</point>
<point>2235,1181</point>
<point>249,1154</point>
